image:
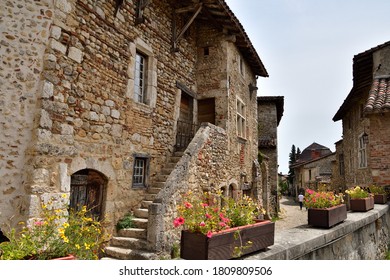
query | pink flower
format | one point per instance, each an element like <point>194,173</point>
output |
<point>204,205</point>
<point>208,216</point>
<point>38,223</point>
<point>202,224</point>
<point>222,224</point>
<point>178,222</point>
<point>309,191</point>
<point>209,234</point>
<point>187,205</point>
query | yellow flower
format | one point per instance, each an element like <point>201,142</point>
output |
<point>64,195</point>
<point>87,246</point>
<point>61,231</point>
<point>77,246</point>
<point>65,225</point>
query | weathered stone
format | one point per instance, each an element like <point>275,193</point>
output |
<point>75,54</point>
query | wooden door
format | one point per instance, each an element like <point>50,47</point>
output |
<point>206,110</point>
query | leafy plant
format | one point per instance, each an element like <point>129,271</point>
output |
<point>203,213</point>
<point>57,233</point>
<point>377,189</point>
<point>357,192</point>
<point>126,222</point>
<point>321,199</point>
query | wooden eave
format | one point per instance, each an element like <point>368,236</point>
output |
<point>218,14</point>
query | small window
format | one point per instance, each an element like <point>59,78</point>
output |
<point>341,164</point>
<point>206,51</point>
<point>362,153</point>
<point>241,121</point>
<point>140,78</point>
<point>140,171</point>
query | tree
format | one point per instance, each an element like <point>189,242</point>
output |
<point>292,160</point>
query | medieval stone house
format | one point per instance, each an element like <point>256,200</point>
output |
<point>270,112</point>
<point>363,155</point>
<point>124,106</point>
<point>313,168</point>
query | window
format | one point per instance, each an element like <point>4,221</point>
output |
<point>362,153</point>
<point>241,122</point>
<point>341,164</point>
<point>140,78</point>
<point>140,171</point>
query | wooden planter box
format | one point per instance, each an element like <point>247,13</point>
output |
<point>362,204</point>
<point>380,198</point>
<point>328,217</point>
<point>220,246</point>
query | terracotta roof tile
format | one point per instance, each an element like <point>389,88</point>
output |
<point>378,100</point>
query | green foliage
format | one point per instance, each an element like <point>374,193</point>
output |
<point>321,200</point>
<point>377,189</point>
<point>357,192</point>
<point>57,233</point>
<point>126,222</point>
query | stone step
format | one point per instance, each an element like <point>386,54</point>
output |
<point>141,213</point>
<point>166,171</point>
<point>150,196</point>
<point>140,223</point>
<point>178,153</point>
<point>154,190</point>
<point>146,203</point>
<point>174,159</point>
<point>139,233</point>
<point>158,185</point>
<point>161,178</point>
<point>129,254</point>
<point>129,243</point>
<point>170,165</point>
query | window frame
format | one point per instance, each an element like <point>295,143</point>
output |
<point>362,153</point>
<point>241,118</point>
<point>143,175</point>
<point>140,78</point>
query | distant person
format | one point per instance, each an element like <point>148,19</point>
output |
<point>300,199</point>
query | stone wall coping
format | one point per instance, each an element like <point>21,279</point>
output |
<point>296,242</point>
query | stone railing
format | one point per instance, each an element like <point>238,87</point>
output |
<point>190,173</point>
<point>362,236</point>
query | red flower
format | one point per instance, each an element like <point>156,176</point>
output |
<point>208,216</point>
<point>187,205</point>
<point>178,222</point>
<point>204,205</point>
<point>202,224</point>
<point>209,234</point>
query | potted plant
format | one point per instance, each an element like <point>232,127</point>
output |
<point>325,209</point>
<point>58,234</point>
<point>360,199</point>
<point>379,192</point>
<point>214,232</point>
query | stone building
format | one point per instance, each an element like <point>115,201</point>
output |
<point>313,168</point>
<point>123,106</point>
<point>363,155</point>
<point>270,112</point>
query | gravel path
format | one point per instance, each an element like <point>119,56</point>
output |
<point>290,215</point>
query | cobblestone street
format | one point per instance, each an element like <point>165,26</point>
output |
<point>290,214</point>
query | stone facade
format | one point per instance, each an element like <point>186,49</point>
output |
<point>71,118</point>
<point>270,112</point>
<point>313,168</point>
<point>366,161</point>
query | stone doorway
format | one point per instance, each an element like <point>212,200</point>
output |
<point>185,126</point>
<point>87,188</point>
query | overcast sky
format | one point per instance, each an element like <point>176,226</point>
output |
<point>307,47</point>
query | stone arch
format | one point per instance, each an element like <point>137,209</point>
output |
<point>88,188</point>
<point>104,169</point>
<point>233,189</point>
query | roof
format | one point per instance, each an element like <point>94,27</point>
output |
<point>362,78</point>
<point>218,13</point>
<point>279,102</point>
<point>379,96</point>
<point>313,152</point>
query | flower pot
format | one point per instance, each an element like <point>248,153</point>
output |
<point>362,204</point>
<point>380,198</point>
<point>66,258</point>
<point>327,217</point>
<point>223,244</point>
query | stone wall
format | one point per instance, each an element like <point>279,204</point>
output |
<point>379,148</point>
<point>205,166</point>
<point>362,236</point>
<point>25,28</point>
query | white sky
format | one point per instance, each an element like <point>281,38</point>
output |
<point>307,47</point>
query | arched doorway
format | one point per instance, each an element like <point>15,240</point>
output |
<point>87,188</point>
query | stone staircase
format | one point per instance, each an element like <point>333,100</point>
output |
<point>131,244</point>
